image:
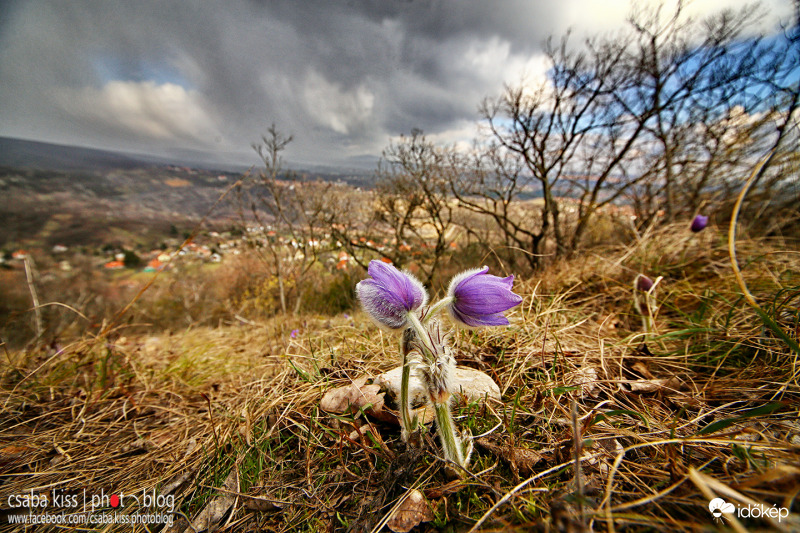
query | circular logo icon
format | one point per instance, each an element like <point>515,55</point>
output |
<point>718,506</point>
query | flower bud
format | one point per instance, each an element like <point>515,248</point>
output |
<point>643,283</point>
<point>699,223</point>
<point>390,295</point>
<point>480,299</point>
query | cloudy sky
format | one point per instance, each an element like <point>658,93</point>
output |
<point>343,77</point>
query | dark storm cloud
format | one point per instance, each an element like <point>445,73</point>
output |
<point>341,76</point>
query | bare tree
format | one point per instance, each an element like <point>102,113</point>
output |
<point>290,214</point>
<point>710,100</point>
<point>649,117</point>
<point>564,135</point>
<point>411,217</point>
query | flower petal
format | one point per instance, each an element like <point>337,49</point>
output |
<point>479,299</point>
<point>476,321</point>
<point>390,295</point>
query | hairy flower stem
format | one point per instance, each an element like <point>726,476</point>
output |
<point>646,311</point>
<point>438,306</point>
<point>646,308</point>
<point>409,425</point>
<point>422,335</point>
<point>451,443</point>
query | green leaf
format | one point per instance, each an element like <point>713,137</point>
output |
<point>561,390</point>
<point>615,412</point>
<point>758,411</point>
<point>771,324</point>
<point>685,332</point>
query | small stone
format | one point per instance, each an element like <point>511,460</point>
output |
<point>413,511</point>
<point>472,385</point>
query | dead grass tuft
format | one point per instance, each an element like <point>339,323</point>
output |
<point>706,406</point>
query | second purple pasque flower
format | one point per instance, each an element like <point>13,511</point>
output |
<point>480,299</point>
<point>390,295</point>
<point>643,283</point>
<point>699,223</point>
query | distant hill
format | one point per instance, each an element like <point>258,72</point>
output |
<point>55,194</point>
<point>132,203</point>
<point>20,153</point>
<point>36,155</point>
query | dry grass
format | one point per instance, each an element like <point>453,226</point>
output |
<point>707,406</point>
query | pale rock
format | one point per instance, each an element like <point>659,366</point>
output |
<point>586,379</point>
<point>411,512</point>
<point>470,384</point>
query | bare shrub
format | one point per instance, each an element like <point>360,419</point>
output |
<point>409,218</point>
<point>667,116</point>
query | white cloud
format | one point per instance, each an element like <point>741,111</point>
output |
<point>341,77</point>
<point>334,107</point>
<point>493,60</point>
<point>461,135</point>
<point>164,112</point>
<point>774,10</point>
<point>591,17</point>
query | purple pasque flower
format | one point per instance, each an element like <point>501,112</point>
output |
<point>390,295</point>
<point>643,283</point>
<point>699,223</point>
<point>480,299</point>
